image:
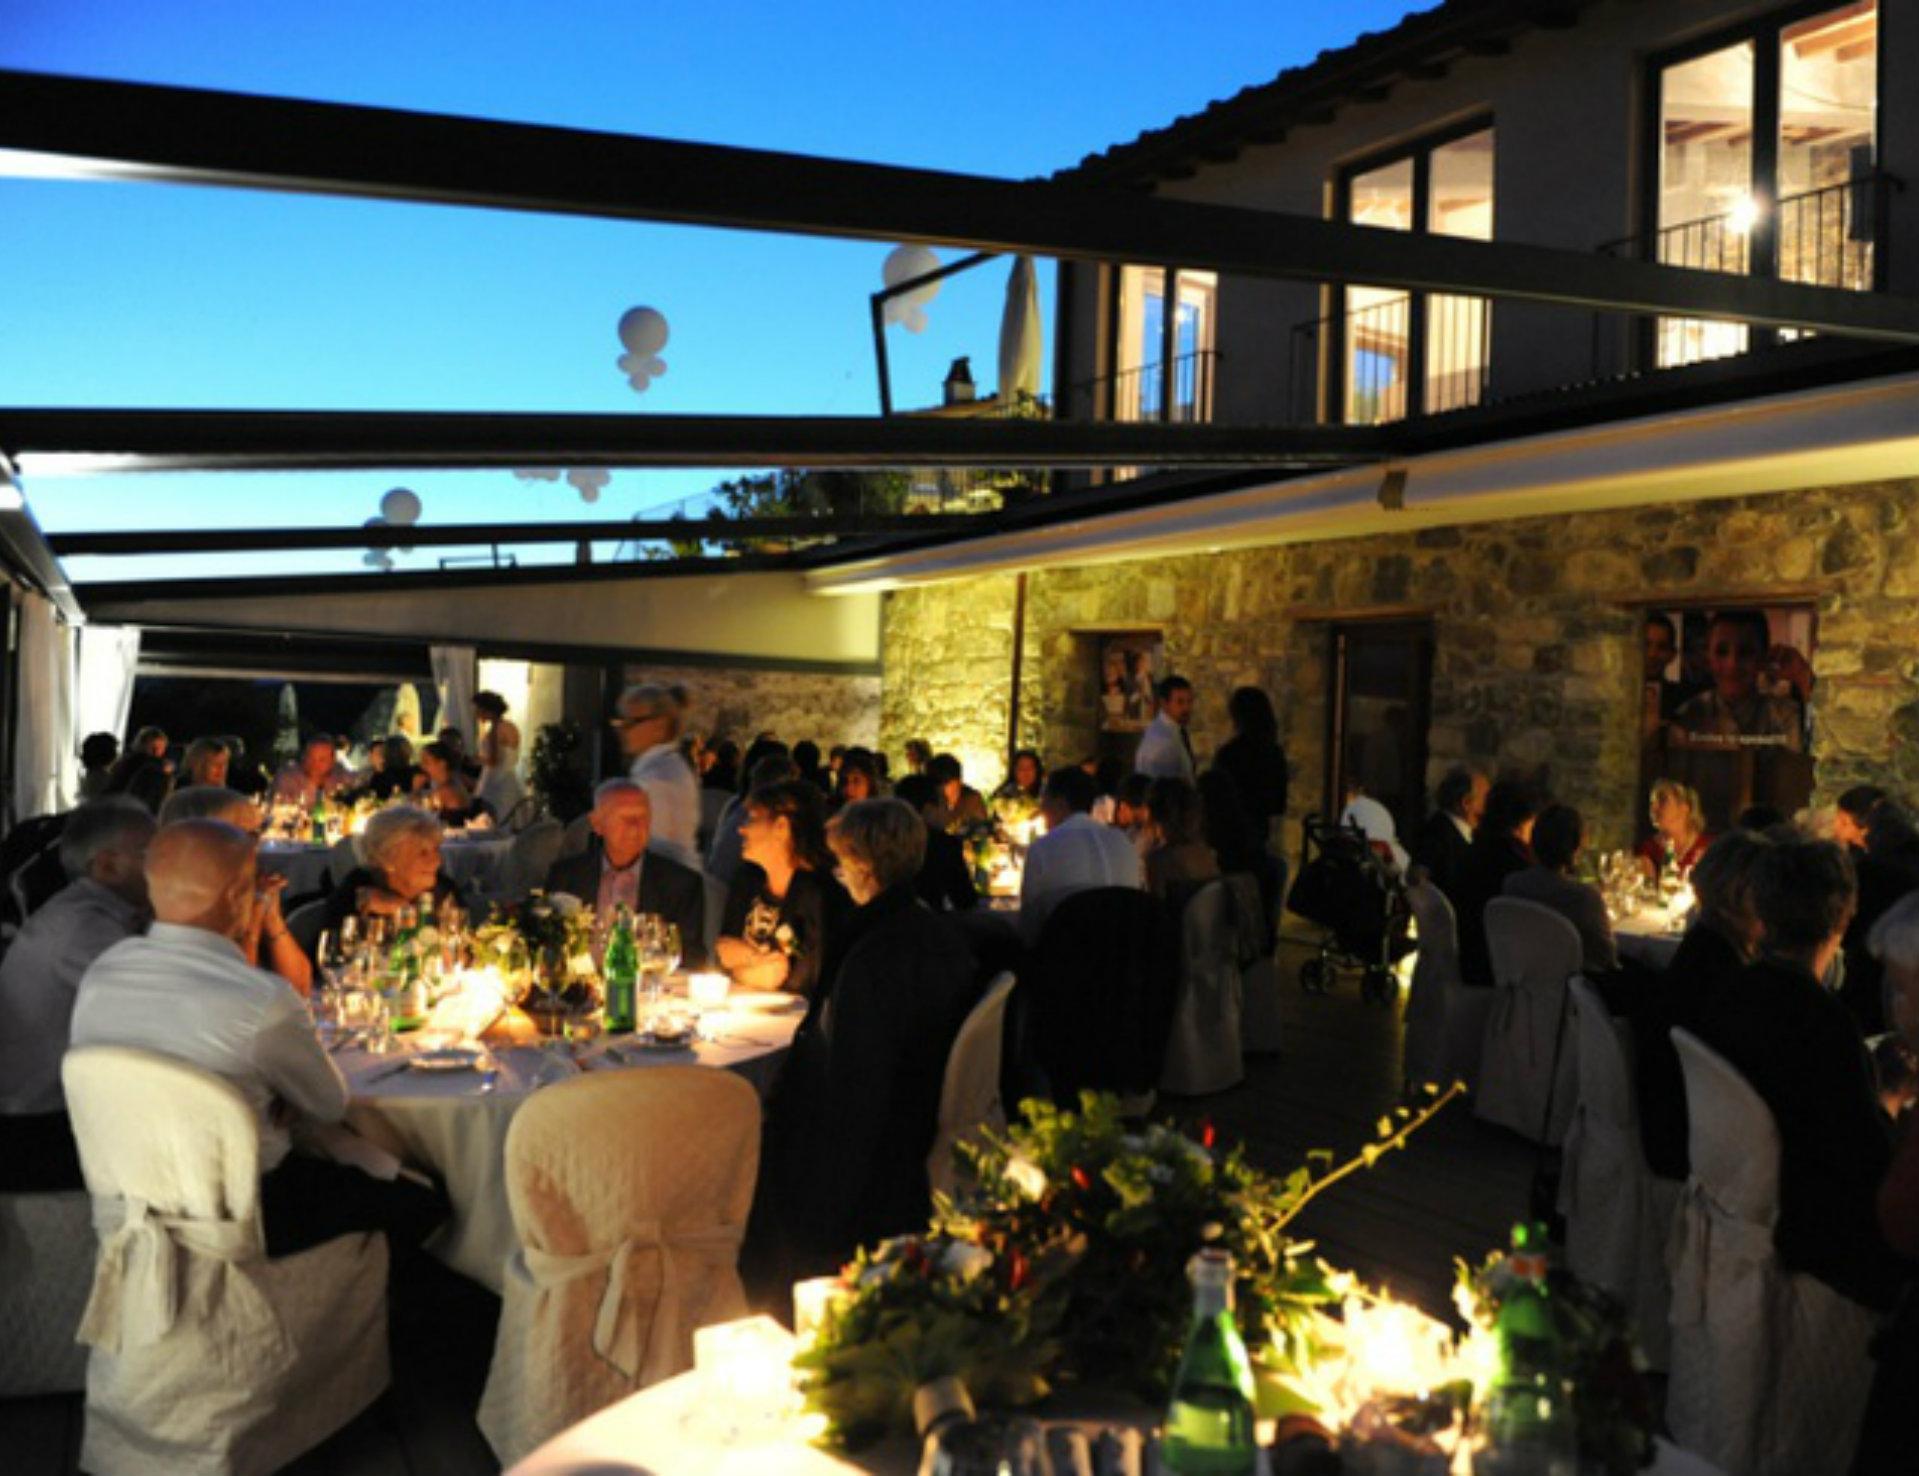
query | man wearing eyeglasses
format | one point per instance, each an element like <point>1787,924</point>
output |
<point>649,729</point>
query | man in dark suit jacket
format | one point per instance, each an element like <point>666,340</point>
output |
<point>616,867</point>
<point>1797,1046</point>
<point>1446,838</point>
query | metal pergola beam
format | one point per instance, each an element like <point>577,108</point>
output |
<point>460,535</point>
<point>92,441</point>
<point>138,131</point>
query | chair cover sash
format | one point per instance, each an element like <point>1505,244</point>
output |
<point>136,1286</point>
<point>616,1328</point>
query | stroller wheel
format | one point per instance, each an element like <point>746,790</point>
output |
<point>1312,976</point>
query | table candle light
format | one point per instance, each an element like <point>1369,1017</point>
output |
<point>707,991</point>
<point>812,1299</point>
<point>745,1370</point>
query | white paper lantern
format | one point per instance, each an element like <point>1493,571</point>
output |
<point>903,264</point>
<point>401,507</point>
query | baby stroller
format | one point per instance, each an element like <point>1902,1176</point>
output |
<point>1349,889</point>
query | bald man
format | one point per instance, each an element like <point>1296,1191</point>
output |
<point>186,990</point>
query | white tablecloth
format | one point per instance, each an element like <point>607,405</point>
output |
<point>448,1123</point>
<point>662,1431</point>
<point>1651,938</point>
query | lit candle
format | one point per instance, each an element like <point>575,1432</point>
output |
<point>707,991</point>
<point>812,1300</point>
<point>745,1370</point>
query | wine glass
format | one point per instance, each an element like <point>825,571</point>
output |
<point>669,947</point>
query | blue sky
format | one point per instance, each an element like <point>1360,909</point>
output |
<point>128,295</point>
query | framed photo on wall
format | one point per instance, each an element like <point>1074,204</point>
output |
<point>1129,665</point>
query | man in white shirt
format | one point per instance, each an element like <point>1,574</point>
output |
<point>1077,853</point>
<point>186,991</point>
<point>318,775</point>
<point>649,728</point>
<point>103,848</point>
<point>1165,750</point>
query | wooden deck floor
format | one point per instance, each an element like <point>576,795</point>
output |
<point>1454,1191</point>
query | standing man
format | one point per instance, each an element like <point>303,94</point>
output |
<point>1165,750</point>
<point>1446,838</point>
<point>649,729</point>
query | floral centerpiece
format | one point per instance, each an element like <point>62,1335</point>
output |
<point>1064,1262</point>
<point>543,947</point>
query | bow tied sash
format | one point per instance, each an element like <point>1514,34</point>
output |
<point>618,1323</point>
<point>1711,1246</point>
<point>138,1276</point>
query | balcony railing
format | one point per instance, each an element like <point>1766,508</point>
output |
<point>1140,394</point>
<point>1366,357</point>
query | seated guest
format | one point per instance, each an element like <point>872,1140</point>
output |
<point>857,1108</point>
<point>269,945</point>
<point>615,870</point>
<point>1799,1050</point>
<point>396,772</point>
<point>1076,854</point>
<point>1131,814</point>
<point>1558,834</point>
<point>205,762</point>
<point>243,772</point>
<point>1024,780</point>
<point>919,754</point>
<point>400,848</point>
<point>98,753</point>
<point>151,742</point>
<point>945,881</point>
<point>1178,862</point>
<point>960,805</point>
<point>184,990</point>
<point>1679,836</point>
<point>1447,836</point>
<point>464,764</point>
<point>318,774</point>
<point>1375,820</point>
<point>103,848</point>
<point>769,765</point>
<point>1852,816</point>
<point>1722,940</point>
<point>142,777</point>
<point>439,786</point>
<point>1501,846</point>
<point>1108,775</point>
<point>784,907</point>
<point>858,780</point>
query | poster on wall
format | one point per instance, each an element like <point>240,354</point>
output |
<point>1129,665</point>
<point>1727,707</point>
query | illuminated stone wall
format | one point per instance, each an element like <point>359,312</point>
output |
<point>738,703</point>
<point>1536,625</point>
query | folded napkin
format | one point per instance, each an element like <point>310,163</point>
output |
<point>538,1066</point>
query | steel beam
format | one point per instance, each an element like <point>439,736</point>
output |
<point>138,131</point>
<point>52,442</point>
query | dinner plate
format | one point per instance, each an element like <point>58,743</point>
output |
<point>765,1002</point>
<point>446,1058</point>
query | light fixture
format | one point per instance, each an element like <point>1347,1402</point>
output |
<point>1743,216</point>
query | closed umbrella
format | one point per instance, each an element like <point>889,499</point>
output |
<point>1019,334</point>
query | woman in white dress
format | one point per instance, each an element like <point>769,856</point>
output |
<point>499,751</point>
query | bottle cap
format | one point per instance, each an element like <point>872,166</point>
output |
<point>1211,1267</point>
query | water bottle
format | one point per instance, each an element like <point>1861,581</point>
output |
<point>622,969</point>
<point>319,820</point>
<point>1527,1422</point>
<point>1209,1423</point>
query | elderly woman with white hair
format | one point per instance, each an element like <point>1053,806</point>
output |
<point>400,867</point>
<point>267,943</point>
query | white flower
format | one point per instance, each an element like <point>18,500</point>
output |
<point>580,966</point>
<point>964,1261</point>
<point>1159,1173</point>
<point>1026,1176</point>
<point>565,903</point>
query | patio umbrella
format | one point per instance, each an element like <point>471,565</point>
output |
<point>1019,333</point>
<point>286,724</point>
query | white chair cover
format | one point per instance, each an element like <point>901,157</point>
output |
<point>1618,1215</point>
<point>1260,1027</point>
<point>1770,1370</point>
<point>1445,1023</point>
<point>969,1096</point>
<point>46,1272</point>
<point>208,1358</point>
<point>529,856</point>
<point>629,1193</point>
<point>1202,1048</point>
<point>1534,952</point>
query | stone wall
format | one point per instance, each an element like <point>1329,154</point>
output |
<point>1536,626</point>
<point>737,703</point>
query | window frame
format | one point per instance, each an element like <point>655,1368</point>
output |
<point>1419,150</point>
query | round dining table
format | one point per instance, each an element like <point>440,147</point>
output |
<point>454,1123</point>
<point>1650,936</point>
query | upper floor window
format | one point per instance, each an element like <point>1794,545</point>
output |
<point>1163,362</point>
<point>1402,353</point>
<point>1765,160</point>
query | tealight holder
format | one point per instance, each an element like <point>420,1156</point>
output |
<point>745,1371</point>
<point>813,1299</point>
<point>706,997</point>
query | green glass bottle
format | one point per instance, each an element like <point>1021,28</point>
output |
<point>404,973</point>
<point>1528,1422</point>
<point>319,820</point>
<point>622,971</point>
<point>1209,1423</point>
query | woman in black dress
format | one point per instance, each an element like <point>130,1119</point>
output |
<point>784,905</point>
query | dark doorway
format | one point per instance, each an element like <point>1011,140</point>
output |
<point>1380,706</point>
